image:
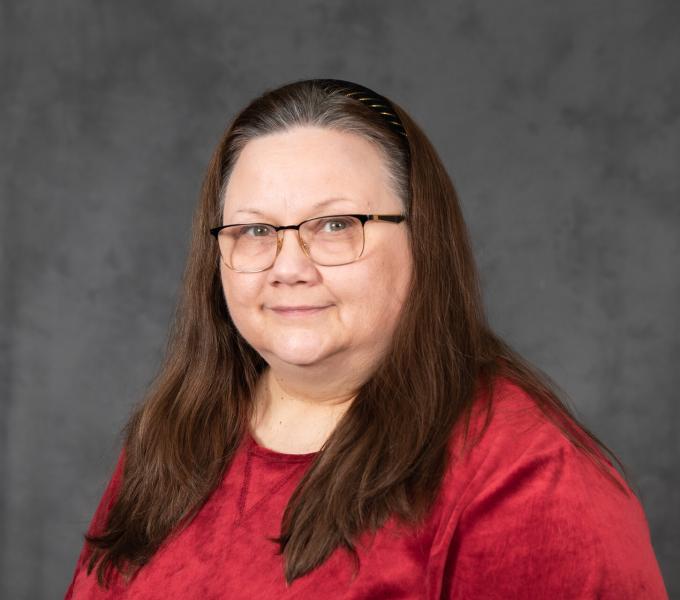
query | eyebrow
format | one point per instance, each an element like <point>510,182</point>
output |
<point>317,206</point>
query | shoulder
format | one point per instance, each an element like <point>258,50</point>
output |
<point>523,503</point>
<point>98,521</point>
<point>514,447</point>
<point>511,428</point>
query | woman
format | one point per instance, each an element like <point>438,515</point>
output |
<point>334,417</point>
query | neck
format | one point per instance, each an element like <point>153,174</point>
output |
<point>298,408</point>
<point>281,390</point>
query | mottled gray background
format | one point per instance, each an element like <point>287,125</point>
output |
<point>559,122</point>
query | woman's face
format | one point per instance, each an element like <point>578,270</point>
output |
<point>283,179</point>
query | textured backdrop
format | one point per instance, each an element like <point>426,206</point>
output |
<point>558,121</point>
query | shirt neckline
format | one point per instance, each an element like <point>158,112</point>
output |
<point>255,448</point>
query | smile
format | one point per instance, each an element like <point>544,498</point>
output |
<point>298,311</point>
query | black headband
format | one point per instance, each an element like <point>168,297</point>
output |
<point>369,98</point>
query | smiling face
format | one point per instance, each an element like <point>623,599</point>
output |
<point>283,179</point>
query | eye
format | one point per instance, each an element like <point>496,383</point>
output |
<point>255,230</point>
<point>333,225</point>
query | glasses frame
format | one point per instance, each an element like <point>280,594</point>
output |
<point>363,218</point>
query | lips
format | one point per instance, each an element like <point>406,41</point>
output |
<point>300,310</point>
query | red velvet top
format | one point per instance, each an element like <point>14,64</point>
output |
<point>522,514</point>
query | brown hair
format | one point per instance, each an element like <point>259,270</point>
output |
<point>184,434</point>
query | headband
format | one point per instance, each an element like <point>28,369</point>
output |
<point>369,98</point>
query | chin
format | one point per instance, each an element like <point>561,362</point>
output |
<point>297,351</point>
<point>299,361</point>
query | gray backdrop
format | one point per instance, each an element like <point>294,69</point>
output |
<point>558,121</point>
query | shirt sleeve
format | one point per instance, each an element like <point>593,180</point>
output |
<point>551,525</point>
<point>98,520</point>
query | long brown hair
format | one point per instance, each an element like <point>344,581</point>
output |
<point>184,433</point>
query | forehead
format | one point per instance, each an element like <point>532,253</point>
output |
<point>295,170</point>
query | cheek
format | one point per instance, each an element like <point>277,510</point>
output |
<point>375,295</point>
<point>393,268</point>
<point>241,292</point>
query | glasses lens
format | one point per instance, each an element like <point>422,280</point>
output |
<point>248,248</point>
<point>333,240</point>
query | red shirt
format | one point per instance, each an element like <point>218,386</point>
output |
<point>522,514</point>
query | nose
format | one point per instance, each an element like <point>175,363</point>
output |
<point>292,263</point>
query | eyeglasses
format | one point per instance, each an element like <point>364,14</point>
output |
<point>328,241</point>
